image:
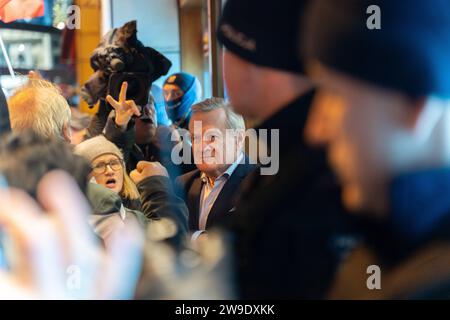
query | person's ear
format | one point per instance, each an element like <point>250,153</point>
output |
<point>240,140</point>
<point>67,132</point>
<point>424,116</point>
<point>417,107</point>
<point>323,119</point>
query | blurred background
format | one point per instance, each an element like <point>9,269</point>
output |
<point>182,30</point>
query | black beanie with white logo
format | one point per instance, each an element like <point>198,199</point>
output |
<point>263,32</point>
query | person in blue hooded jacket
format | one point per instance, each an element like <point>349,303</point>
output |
<point>181,91</point>
<point>160,106</point>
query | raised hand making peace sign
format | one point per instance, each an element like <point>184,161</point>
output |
<point>125,109</point>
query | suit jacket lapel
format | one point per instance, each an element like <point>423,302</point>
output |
<point>224,203</point>
<point>194,203</point>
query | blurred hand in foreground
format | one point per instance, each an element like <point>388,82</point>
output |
<point>54,252</point>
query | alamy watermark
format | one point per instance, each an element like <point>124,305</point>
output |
<point>73,17</point>
<point>374,280</point>
<point>374,20</point>
<point>73,282</point>
<point>67,17</point>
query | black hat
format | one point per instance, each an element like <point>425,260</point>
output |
<point>263,32</point>
<point>410,53</point>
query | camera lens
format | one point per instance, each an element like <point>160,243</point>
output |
<point>138,86</point>
<point>134,87</point>
<point>117,65</point>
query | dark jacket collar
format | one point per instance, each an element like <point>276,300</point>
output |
<point>224,201</point>
<point>226,198</point>
<point>419,201</point>
<point>291,121</point>
<point>419,214</point>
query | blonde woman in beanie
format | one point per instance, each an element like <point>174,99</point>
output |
<point>154,202</point>
<point>108,169</point>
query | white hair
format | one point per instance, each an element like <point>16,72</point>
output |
<point>39,106</point>
<point>234,120</point>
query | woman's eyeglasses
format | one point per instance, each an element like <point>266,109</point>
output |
<point>99,168</point>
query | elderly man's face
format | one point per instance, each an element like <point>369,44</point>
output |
<point>214,150</point>
<point>365,129</point>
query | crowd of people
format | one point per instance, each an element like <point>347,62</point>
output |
<point>101,207</point>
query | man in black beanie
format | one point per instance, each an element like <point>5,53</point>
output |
<point>289,230</point>
<point>384,113</point>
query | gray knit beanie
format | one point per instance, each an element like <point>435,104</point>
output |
<point>96,147</point>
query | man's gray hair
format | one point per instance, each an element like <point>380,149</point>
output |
<point>234,120</point>
<point>40,107</point>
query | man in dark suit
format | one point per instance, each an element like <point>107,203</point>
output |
<point>221,164</point>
